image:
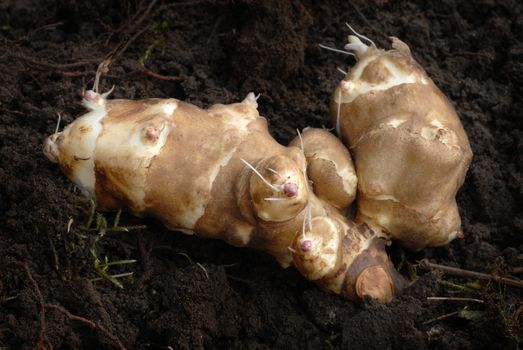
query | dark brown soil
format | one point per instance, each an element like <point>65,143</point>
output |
<point>188,293</point>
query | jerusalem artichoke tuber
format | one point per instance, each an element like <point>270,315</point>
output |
<point>219,173</point>
<point>411,151</point>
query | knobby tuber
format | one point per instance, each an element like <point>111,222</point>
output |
<point>410,150</point>
<point>218,173</point>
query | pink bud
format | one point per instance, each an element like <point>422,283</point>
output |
<point>90,95</point>
<point>290,189</point>
<point>347,85</point>
<point>306,245</point>
<point>151,134</point>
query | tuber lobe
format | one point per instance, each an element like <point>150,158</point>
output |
<point>410,148</point>
<point>218,173</point>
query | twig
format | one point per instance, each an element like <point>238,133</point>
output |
<point>42,337</point>
<point>133,22</point>
<point>13,111</point>
<point>87,322</point>
<point>457,286</point>
<point>60,68</point>
<point>8,299</point>
<point>152,74</point>
<point>474,300</point>
<point>204,270</point>
<point>103,68</point>
<point>57,66</point>
<point>442,317</point>
<point>182,254</point>
<point>73,74</point>
<point>425,264</point>
<point>470,53</point>
<point>517,270</point>
<point>518,312</point>
<point>50,26</point>
<point>197,263</point>
<point>179,4</point>
<point>363,17</point>
<point>118,50</point>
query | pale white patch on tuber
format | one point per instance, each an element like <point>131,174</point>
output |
<point>136,145</point>
<point>396,122</point>
<point>169,108</point>
<point>78,158</point>
<point>350,90</point>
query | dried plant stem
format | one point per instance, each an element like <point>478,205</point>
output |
<point>442,317</point>
<point>8,299</point>
<point>456,286</point>
<point>43,341</point>
<point>158,76</point>
<point>427,265</point>
<point>474,300</point>
<point>56,66</point>
<point>87,322</point>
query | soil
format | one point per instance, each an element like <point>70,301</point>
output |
<point>189,293</point>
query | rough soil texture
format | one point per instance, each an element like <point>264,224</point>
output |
<point>188,293</point>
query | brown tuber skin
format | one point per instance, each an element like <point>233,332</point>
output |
<point>218,173</point>
<point>411,152</point>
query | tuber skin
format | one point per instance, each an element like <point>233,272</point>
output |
<point>410,149</point>
<point>334,181</point>
<point>218,173</point>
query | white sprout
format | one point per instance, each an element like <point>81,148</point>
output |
<point>273,171</point>
<point>303,225</point>
<point>274,199</point>
<point>356,45</point>
<point>302,146</point>
<point>274,188</point>
<point>338,113</point>
<point>335,50</point>
<point>252,98</point>
<point>307,220</point>
<point>359,35</point>
<point>105,94</point>
<point>58,123</point>
<point>309,215</point>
